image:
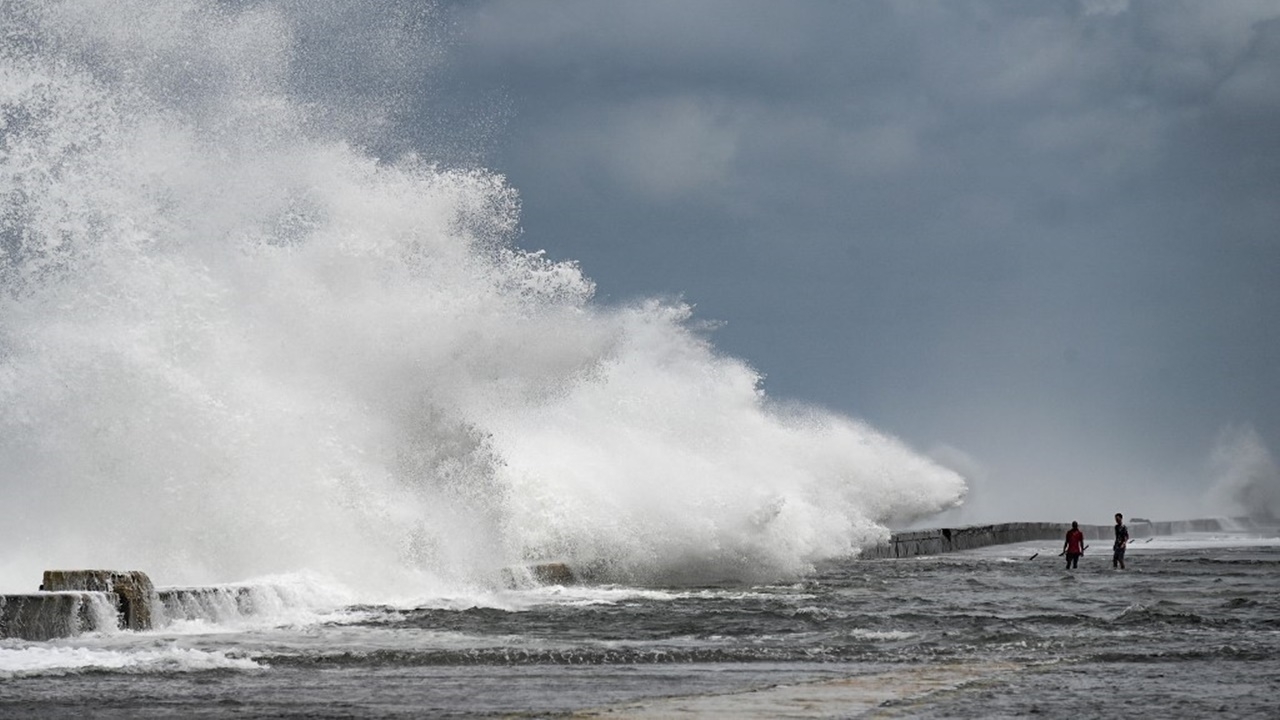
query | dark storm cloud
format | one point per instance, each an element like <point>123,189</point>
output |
<point>1042,234</point>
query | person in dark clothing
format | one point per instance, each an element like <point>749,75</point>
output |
<point>1122,541</point>
<point>1073,546</point>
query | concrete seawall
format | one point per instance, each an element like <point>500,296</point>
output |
<point>910,543</point>
<point>73,602</point>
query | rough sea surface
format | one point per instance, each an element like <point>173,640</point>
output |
<point>1191,629</point>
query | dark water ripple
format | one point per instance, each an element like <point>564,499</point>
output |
<point>1199,618</point>
<point>962,607</point>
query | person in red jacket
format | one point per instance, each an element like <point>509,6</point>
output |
<point>1073,547</point>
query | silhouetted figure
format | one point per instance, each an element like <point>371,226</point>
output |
<point>1073,546</point>
<point>1122,542</point>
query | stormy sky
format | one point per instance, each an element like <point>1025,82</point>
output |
<point>1038,240</point>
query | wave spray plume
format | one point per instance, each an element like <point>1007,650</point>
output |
<point>234,344</point>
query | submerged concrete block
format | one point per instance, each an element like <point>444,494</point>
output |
<point>548,573</point>
<point>552,573</point>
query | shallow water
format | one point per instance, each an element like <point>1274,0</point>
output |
<point>1192,628</point>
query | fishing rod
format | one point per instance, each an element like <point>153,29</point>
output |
<point>1064,552</point>
<point>1086,547</point>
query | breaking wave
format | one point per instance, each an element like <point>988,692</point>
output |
<point>235,343</point>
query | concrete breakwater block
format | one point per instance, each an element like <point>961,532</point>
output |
<point>133,589</point>
<point>74,601</point>
<point>48,615</point>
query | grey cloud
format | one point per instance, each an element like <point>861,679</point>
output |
<point>1043,234</point>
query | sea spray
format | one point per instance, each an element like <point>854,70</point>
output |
<point>1246,478</point>
<point>232,345</point>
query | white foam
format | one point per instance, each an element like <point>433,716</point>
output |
<point>882,634</point>
<point>38,660</point>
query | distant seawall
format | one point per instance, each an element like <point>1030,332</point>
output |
<point>910,543</point>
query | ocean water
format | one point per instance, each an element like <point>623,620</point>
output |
<point>1190,630</point>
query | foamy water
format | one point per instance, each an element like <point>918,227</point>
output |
<point>1191,626</point>
<point>47,661</point>
<point>234,344</point>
